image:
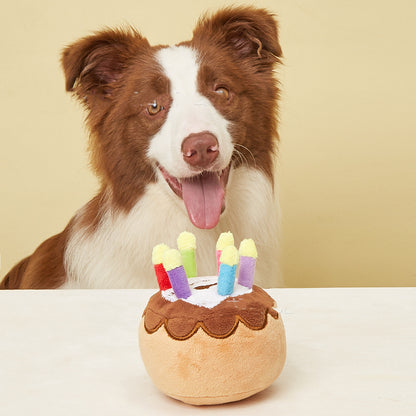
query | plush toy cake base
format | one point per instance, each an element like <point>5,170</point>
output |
<point>213,355</point>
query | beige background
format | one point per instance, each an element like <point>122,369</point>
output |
<point>347,170</point>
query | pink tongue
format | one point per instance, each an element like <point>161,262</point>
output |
<point>203,196</point>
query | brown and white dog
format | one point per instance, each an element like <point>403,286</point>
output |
<point>183,138</point>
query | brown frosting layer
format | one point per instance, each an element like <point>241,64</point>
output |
<point>182,319</point>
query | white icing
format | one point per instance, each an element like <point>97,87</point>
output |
<point>207,297</point>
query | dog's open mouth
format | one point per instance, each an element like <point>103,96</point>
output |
<point>203,195</point>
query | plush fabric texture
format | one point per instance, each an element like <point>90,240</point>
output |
<point>182,319</point>
<point>189,263</point>
<point>224,240</point>
<point>204,370</point>
<point>246,271</point>
<point>162,277</point>
<point>226,278</point>
<point>179,282</point>
<point>210,356</point>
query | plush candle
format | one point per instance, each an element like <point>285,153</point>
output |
<point>248,256</point>
<point>227,270</point>
<point>172,261</point>
<point>224,240</point>
<point>187,245</point>
<point>157,260</point>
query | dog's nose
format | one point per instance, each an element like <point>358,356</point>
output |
<point>200,150</point>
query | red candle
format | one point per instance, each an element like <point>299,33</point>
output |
<point>157,259</point>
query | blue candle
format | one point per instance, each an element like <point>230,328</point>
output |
<point>226,274</point>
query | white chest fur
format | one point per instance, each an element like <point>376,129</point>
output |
<point>118,253</point>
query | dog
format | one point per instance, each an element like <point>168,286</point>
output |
<point>182,137</point>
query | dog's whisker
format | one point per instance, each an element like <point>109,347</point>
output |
<point>243,156</point>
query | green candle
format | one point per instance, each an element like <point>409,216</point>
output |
<point>187,246</point>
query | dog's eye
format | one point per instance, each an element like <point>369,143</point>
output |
<point>154,108</point>
<point>223,92</point>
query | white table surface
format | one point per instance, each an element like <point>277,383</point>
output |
<point>351,351</point>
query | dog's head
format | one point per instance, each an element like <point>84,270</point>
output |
<point>187,113</point>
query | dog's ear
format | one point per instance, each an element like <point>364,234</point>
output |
<point>247,32</point>
<point>93,64</point>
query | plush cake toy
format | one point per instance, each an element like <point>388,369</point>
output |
<point>210,340</point>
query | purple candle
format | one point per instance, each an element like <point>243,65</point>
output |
<point>172,262</point>
<point>248,256</point>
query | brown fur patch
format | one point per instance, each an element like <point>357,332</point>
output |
<point>239,48</point>
<point>13,279</point>
<point>44,269</point>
